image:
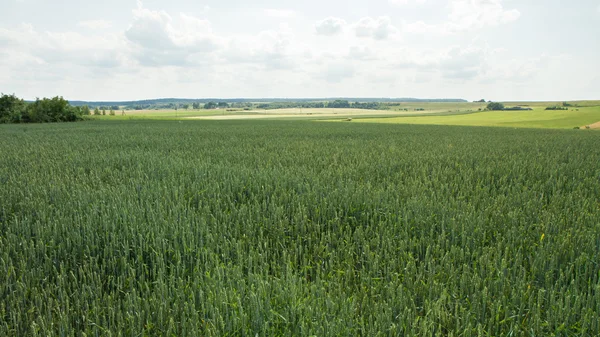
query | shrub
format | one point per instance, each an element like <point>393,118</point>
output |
<point>495,106</point>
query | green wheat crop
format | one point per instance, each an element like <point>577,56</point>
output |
<point>166,228</point>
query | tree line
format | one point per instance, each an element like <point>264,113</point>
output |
<point>46,110</point>
<point>336,104</point>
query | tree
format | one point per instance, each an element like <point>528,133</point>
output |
<point>210,105</point>
<point>112,112</point>
<point>495,106</point>
<point>47,110</point>
<point>338,104</point>
<point>196,106</point>
<point>103,112</point>
<point>85,110</point>
<point>185,106</point>
<point>11,109</point>
<point>96,111</point>
<point>57,109</point>
<point>223,105</point>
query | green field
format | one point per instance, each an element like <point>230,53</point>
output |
<point>537,118</point>
<point>582,113</point>
<point>278,228</point>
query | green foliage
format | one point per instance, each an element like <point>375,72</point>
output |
<point>210,105</point>
<point>291,105</point>
<point>297,229</point>
<point>555,107</point>
<point>495,106</point>
<point>367,105</point>
<point>97,112</point>
<point>517,108</point>
<point>51,110</point>
<point>339,104</point>
<point>112,112</point>
<point>11,109</point>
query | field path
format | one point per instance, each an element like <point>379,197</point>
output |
<point>592,126</point>
<point>311,113</point>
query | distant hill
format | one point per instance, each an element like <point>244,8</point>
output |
<point>163,101</point>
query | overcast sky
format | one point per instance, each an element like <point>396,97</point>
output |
<point>472,49</point>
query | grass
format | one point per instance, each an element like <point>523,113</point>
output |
<point>273,228</point>
<point>467,114</point>
<point>538,118</point>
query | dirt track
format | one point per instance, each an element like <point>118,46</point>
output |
<point>224,117</point>
<point>592,126</point>
<point>308,113</point>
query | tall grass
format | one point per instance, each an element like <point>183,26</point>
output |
<point>297,228</point>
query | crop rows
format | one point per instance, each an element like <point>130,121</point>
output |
<point>297,228</point>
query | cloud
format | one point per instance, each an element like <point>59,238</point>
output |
<point>159,40</point>
<point>379,29</point>
<point>466,15</point>
<point>279,13</point>
<point>462,64</point>
<point>95,24</point>
<point>330,26</point>
<point>405,2</point>
<point>71,48</point>
<point>475,14</point>
<point>269,50</point>
<point>454,63</point>
<point>336,72</point>
<point>361,54</point>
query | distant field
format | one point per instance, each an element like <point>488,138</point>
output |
<point>467,114</point>
<point>538,118</point>
<point>308,114</point>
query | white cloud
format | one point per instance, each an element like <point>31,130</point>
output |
<point>66,47</point>
<point>405,2</point>
<point>466,15</point>
<point>161,52</point>
<point>462,63</point>
<point>158,39</point>
<point>279,13</point>
<point>363,53</point>
<point>267,50</point>
<point>474,14</point>
<point>95,24</point>
<point>379,29</point>
<point>330,26</point>
<point>336,72</point>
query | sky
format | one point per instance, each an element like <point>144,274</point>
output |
<point>499,50</point>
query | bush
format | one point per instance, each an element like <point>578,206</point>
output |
<point>11,109</point>
<point>495,106</point>
<point>47,110</point>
